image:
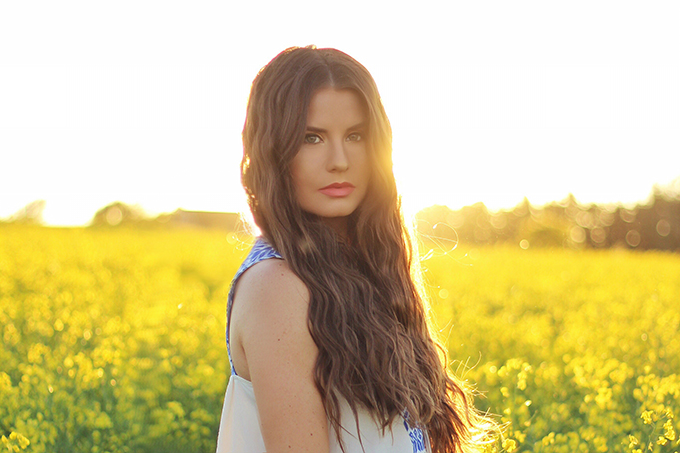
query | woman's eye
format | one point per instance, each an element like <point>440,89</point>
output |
<point>312,139</point>
<point>355,137</point>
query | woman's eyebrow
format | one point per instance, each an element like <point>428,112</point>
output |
<point>356,126</point>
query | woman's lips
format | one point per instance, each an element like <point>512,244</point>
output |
<point>337,190</point>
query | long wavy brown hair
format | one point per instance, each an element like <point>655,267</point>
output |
<point>366,313</point>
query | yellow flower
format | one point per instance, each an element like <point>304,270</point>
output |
<point>549,439</point>
<point>668,430</point>
<point>16,442</point>
<point>509,445</point>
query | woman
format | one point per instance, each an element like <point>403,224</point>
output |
<point>326,329</point>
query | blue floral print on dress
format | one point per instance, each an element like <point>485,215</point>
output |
<point>416,434</point>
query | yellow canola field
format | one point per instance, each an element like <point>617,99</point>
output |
<point>113,341</point>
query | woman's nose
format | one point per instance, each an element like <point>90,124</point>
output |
<point>337,159</point>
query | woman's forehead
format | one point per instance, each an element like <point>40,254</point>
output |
<point>336,107</point>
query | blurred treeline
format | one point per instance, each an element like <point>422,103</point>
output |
<point>654,225</point>
<point>121,214</point>
<point>567,223</point>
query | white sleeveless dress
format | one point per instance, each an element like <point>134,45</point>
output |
<point>240,422</point>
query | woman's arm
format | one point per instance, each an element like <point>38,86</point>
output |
<point>279,355</point>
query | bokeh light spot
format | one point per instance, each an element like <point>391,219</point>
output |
<point>633,238</point>
<point>627,215</point>
<point>114,216</point>
<point>663,227</point>
<point>577,234</point>
<point>524,244</point>
<point>607,218</point>
<point>598,235</point>
<point>498,221</point>
<point>585,219</point>
<point>473,254</point>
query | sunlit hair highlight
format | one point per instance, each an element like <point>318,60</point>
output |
<point>366,314</point>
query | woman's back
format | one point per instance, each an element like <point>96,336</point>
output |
<point>267,299</point>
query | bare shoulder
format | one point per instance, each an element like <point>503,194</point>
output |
<point>272,285</point>
<point>270,306</point>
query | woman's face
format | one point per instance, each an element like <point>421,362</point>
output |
<point>331,171</point>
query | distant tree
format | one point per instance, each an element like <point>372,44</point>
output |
<point>477,226</point>
<point>670,190</point>
<point>118,213</point>
<point>31,214</point>
<point>435,222</point>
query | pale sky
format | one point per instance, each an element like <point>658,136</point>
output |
<point>144,101</point>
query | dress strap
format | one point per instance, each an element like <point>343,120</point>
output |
<point>261,251</point>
